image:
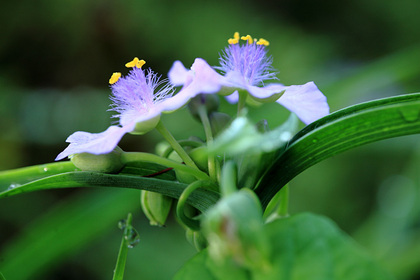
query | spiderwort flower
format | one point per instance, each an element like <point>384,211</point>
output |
<point>138,104</point>
<point>245,68</point>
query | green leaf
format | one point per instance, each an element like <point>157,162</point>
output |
<point>304,246</point>
<point>16,177</point>
<point>122,254</point>
<point>308,246</point>
<point>200,199</point>
<point>196,268</point>
<point>345,129</point>
<point>242,137</point>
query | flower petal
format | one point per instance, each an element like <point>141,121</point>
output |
<point>266,91</point>
<point>202,78</point>
<point>178,74</point>
<point>306,101</point>
<point>206,79</point>
<point>94,143</point>
<point>233,98</point>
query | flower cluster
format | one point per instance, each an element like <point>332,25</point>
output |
<point>140,97</point>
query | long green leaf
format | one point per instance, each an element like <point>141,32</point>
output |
<point>200,199</point>
<point>122,254</point>
<point>19,176</point>
<point>24,175</point>
<point>345,129</point>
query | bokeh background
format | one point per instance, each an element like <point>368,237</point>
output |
<point>55,61</point>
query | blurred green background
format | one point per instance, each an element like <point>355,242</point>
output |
<point>55,61</point>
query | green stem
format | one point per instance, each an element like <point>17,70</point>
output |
<point>209,137</point>
<point>182,143</point>
<point>228,184</point>
<point>172,141</point>
<point>189,222</point>
<point>146,157</point>
<point>241,101</point>
<point>122,254</point>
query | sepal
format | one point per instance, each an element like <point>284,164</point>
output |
<point>104,163</point>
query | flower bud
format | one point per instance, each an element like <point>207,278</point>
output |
<point>234,229</point>
<point>104,163</point>
<point>196,238</point>
<point>156,207</point>
<point>199,156</point>
<point>145,126</point>
<point>219,121</point>
<point>211,101</point>
<point>181,176</point>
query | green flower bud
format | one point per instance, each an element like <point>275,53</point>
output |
<point>145,126</point>
<point>199,156</point>
<point>219,121</point>
<point>161,147</point>
<point>156,207</point>
<point>181,176</point>
<point>211,101</point>
<point>196,238</point>
<point>234,230</point>
<point>105,163</point>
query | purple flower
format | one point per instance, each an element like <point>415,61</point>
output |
<point>245,68</point>
<point>138,103</point>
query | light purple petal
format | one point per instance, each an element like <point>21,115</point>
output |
<point>306,101</point>
<point>202,78</point>
<point>94,143</point>
<point>178,74</point>
<point>267,91</point>
<point>258,92</point>
<point>233,98</point>
<point>131,117</point>
<point>206,79</point>
<point>177,101</point>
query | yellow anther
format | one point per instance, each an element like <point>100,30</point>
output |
<point>263,42</point>
<point>135,63</point>
<point>247,38</point>
<point>235,39</point>
<point>140,63</point>
<point>114,78</point>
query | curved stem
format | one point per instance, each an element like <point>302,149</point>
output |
<point>193,224</point>
<point>146,157</point>
<point>209,136</point>
<point>172,141</point>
